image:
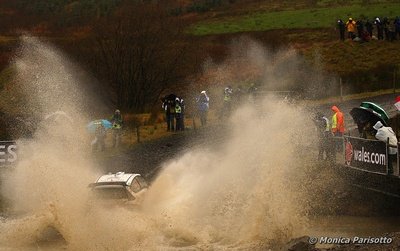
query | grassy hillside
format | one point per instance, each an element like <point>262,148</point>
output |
<point>293,19</point>
<point>310,27</point>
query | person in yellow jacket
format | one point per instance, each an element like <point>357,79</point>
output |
<point>351,28</point>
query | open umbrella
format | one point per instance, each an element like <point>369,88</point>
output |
<point>362,116</point>
<point>170,97</point>
<point>96,123</point>
<point>376,108</point>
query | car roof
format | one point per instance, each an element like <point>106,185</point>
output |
<point>117,178</point>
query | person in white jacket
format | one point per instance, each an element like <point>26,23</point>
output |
<point>203,106</point>
<point>382,134</point>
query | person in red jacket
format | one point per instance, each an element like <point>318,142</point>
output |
<point>337,129</point>
<point>337,122</point>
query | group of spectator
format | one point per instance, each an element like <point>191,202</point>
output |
<point>174,109</point>
<point>363,31</point>
<point>232,97</point>
<point>174,106</point>
<point>100,133</point>
<point>327,130</point>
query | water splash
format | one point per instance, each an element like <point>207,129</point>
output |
<point>242,196</point>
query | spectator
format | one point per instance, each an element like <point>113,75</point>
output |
<point>238,95</point>
<point>182,104</point>
<point>227,102</point>
<point>117,122</point>
<point>178,115</point>
<point>385,24</point>
<point>379,28</point>
<point>324,136</point>
<point>360,28</point>
<point>203,106</point>
<point>365,130</point>
<point>392,30</point>
<point>397,25</point>
<point>99,138</point>
<point>337,122</point>
<point>351,28</point>
<point>365,37</point>
<point>337,128</point>
<point>169,109</point>
<point>252,91</point>
<point>384,134</point>
<point>341,27</point>
<point>369,27</point>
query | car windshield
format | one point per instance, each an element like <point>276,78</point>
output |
<point>110,192</point>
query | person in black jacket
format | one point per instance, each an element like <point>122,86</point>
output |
<point>397,27</point>
<point>341,27</point>
<point>379,28</point>
<point>324,137</point>
<point>360,28</point>
<point>168,104</point>
<point>369,27</point>
<point>385,24</point>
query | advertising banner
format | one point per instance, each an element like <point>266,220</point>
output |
<point>8,153</point>
<point>369,155</point>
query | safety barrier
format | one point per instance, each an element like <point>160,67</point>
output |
<point>368,155</point>
<point>8,153</point>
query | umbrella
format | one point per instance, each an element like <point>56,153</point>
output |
<point>376,108</point>
<point>362,115</point>
<point>94,124</point>
<point>170,97</point>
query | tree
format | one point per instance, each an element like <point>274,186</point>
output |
<point>142,50</point>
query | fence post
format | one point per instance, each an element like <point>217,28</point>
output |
<point>394,80</point>
<point>138,133</point>
<point>397,162</point>
<point>194,122</point>
<point>341,89</point>
<point>387,156</point>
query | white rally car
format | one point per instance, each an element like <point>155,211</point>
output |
<point>119,189</point>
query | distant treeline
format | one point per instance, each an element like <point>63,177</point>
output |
<point>139,51</point>
<point>83,9</point>
<point>135,48</point>
<point>66,12</point>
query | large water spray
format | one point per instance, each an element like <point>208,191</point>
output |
<point>245,195</point>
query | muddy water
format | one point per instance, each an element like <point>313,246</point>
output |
<point>250,194</point>
<point>47,238</point>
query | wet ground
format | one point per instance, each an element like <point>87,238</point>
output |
<point>147,158</point>
<point>339,209</point>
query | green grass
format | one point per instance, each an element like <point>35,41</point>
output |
<point>294,19</point>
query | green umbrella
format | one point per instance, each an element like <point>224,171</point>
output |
<point>376,108</point>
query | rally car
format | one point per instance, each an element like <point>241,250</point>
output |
<point>119,189</point>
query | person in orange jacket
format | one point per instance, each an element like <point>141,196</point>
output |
<point>337,122</point>
<point>351,28</point>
